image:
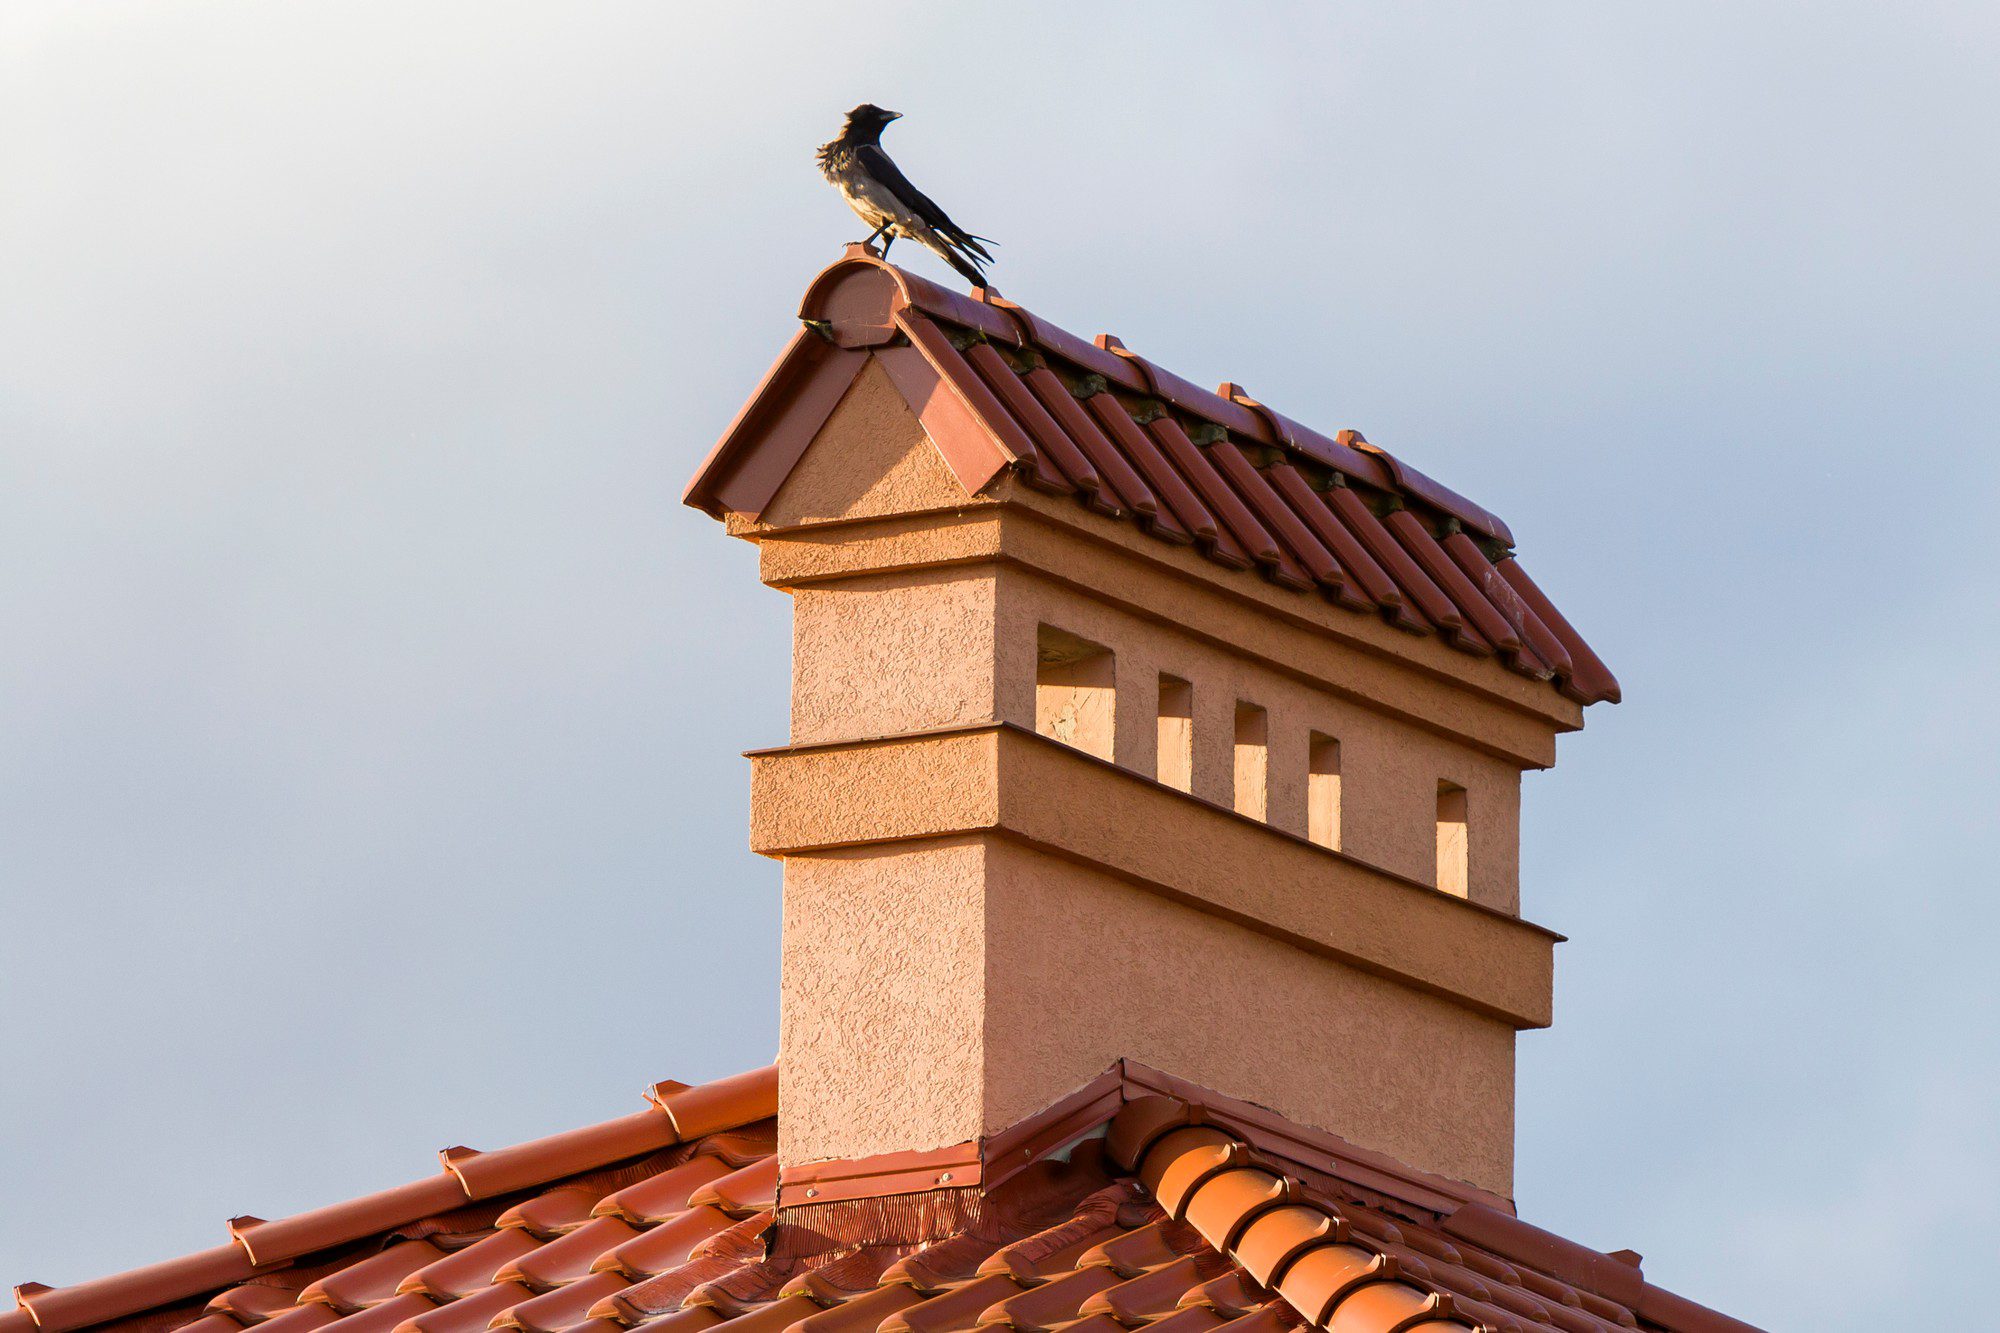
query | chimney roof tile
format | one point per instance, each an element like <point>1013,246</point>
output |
<point>1337,516</point>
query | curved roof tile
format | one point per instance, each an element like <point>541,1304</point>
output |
<point>1333,516</point>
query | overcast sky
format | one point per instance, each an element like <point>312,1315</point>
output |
<point>370,710</point>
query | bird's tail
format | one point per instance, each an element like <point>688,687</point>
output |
<point>966,266</point>
<point>975,245</point>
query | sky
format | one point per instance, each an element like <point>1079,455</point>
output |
<point>371,711</point>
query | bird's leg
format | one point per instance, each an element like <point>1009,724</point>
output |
<point>877,232</point>
<point>888,241</point>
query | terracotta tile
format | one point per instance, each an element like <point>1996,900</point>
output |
<point>741,1242</point>
<point>743,1288</point>
<point>1547,648</point>
<point>214,1323</point>
<point>1225,1204</point>
<point>845,1277</point>
<point>986,406</point>
<point>1277,516</point>
<point>1121,478</point>
<point>568,1257</point>
<point>552,1213</point>
<point>1147,1297</point>
<point>1592,680</point>
<point>696,1320</point>
<point>1216,493</point>
<point>953,1310</point>
<point>952,1260</point>
<point>1029,1264</point>
<point>1164,478</point>
<point>1134,1252</point>
<point>465,1271</point>
<point>1361,568</point>
<point>486,1175</point>
<point>1272,1317</point>
<point>1183,1160</point>
<point>322,1228</point>
<point>1279,1235</point>
<point>1093,1323</point>
<point>555,1311</point>
<point>60,1309</point>
<point>742,1145</point>
<point>1379,1306</point>
<point>384,1317</point>
<point>1187,1319</point>
<point>371,1280</point>
<point>1053,443</point>
<point>666,1246</point>
<point>663,1196</point>
<point>1483,628</point>
<point>1054,1302</point>
<point>748,1190</point>
<point>255,1302</point>
<point>667,1291</point>
<point>719,1104</point>
<point>1387,552</point>
<point>1102,1258</point>
<point>772,1318</point>
<point>1231,1295</point>
<point>299,1319</point>
<point>470,1315</point>
<point>1021,400</point>
<point>861,1314</point>
<point>1317,1279</point>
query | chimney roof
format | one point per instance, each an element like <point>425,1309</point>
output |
<point>1253,489</point>
<point>1152,1205</point>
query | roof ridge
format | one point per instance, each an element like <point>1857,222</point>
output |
<point>999,389</point>
<point>677,1113</point>
<point>1227,405</point>
<point>1300,1245</point>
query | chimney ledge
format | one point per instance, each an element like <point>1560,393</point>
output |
<point>999,779</point>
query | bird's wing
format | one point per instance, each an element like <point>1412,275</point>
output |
<point>877,163</point>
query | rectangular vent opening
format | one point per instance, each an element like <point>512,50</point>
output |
<point>1075,699</point>
<point>1253,759</point>
<point>1175,766</point>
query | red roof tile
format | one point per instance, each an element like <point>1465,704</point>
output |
<point>1004,390</point>
<point>1174,1218</point>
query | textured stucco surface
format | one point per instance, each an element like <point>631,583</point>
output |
<point>1159,841</point>
<point>882,999</point>
<point>892,653</point>
<point>1390,769</point>
<point>1082,970</point>
<point>870,458</point>
<point>935,992</point>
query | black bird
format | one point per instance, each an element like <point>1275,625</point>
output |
<point>886,201</point>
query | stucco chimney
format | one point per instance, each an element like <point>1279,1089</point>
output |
<point>1131,720</point>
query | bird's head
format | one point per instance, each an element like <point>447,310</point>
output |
<point>868,120</point>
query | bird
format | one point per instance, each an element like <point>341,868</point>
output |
<point>884,198</point>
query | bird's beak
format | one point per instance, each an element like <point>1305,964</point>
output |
<point>893,115</point>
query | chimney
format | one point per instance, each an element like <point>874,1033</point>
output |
<point>1130,721</point>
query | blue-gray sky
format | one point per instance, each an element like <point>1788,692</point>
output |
<point>370,710</point>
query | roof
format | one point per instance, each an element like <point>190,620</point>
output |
<point>1252,489</point>
<point>1166,1214</point>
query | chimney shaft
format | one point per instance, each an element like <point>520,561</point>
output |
<point>1059,791</point>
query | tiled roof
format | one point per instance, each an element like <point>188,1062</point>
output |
<point>1334,517</point>
<point>1174,1218</point>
